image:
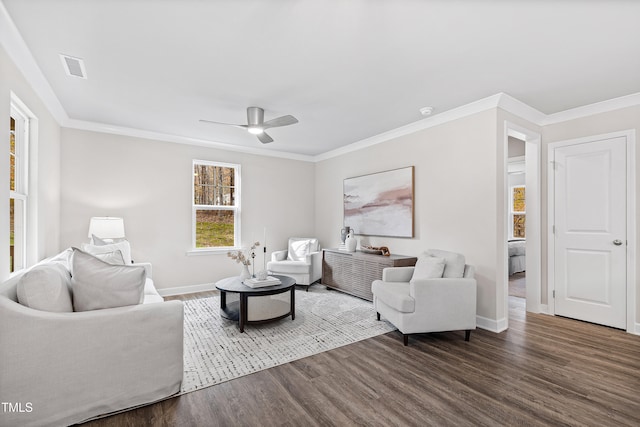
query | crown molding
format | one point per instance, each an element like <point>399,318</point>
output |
<point>159,136</point>
<point>591,109</point>
<point>15,46</point>
<point>520,109</point>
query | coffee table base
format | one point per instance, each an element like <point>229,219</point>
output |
<point>241,311</point>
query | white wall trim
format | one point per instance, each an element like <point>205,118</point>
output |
<point>630,136</point>
<point>491,325</point>
<point>544,309</point>
<point>636,331</point>
<point>17,49</point>
<point>520,109</point>
<point>591,109</point>
<point>189,289</point>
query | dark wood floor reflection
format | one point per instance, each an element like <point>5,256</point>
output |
<point>544,370</point>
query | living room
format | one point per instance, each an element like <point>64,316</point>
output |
<point>83,167</point>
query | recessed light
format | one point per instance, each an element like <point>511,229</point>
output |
<point>426,111</point>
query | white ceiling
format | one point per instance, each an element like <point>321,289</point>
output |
<point>348,70</point>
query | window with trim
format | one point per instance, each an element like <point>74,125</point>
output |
<point>216,205</point>
<point>18,161</point>
<point>518,211</point>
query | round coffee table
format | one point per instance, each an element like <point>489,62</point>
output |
<point>256,305</point>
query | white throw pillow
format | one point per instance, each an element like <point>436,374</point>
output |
<point>46,287</point>
<point>114,257</point>
<point>97,284</point>
<point>454,262</point>
<point>123,246</point>
<point>298,249</point>
<point>428,267</point>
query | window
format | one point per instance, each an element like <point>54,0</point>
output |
<point>518,211</point>
<point>216,205</point>
<point>18,161</point>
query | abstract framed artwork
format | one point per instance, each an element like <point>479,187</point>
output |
<point>380,204</point>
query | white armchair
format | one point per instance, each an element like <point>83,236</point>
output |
<point>438,294</point>
<point>302,260</point>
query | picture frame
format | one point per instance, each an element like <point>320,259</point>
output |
<point>380,204</point>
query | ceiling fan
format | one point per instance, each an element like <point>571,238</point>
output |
<point>256,124</point>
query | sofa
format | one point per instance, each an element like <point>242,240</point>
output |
<point>62,368</point>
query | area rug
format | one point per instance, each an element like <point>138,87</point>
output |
<point>215,351</point>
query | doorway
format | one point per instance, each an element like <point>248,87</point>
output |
<point>529,164</point>
<point>591,219</point>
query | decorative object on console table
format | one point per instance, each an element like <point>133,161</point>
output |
<point>353,272</point>
<point>351,242</point>
<point>344,233</point>
<point>380,204</point>
<point>375,250</point>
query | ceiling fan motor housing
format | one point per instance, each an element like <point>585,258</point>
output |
<point>255,116</point>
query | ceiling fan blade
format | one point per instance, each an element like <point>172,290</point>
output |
<point>226,124</point>
<point>280,121</point>
<point>264,138</point>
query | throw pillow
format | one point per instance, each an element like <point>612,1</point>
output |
<point>123,246</point>
<point>46,287</point>
<point>114,257</point>
<point>97,284</point>
<point>454,262</point>
<point>298,249</point>
<point>428,267</point>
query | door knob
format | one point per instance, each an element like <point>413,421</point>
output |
<point>617,242</point>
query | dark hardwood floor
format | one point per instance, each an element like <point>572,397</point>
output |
<point>543,371</point>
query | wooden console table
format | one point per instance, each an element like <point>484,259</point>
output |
<point>353,272</point>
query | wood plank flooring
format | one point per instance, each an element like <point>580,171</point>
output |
<point>543,371</point>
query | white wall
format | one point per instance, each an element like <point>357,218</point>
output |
<point>44,184</point>
<point>148,183</point>
<point>455,193</point>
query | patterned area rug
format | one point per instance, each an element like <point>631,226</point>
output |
<point>215,351</point>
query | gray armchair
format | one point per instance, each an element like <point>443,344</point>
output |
<point>438,294</point>
<point>302,260</point>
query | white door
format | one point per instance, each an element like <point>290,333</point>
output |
<point>590,231</point>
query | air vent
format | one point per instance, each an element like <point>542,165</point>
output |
<point>73,66</point>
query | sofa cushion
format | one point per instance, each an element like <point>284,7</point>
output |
<point>97,284</point>
<point>453,263</point>
<point>428,267</point>
<point>300,247</point>
<point>46,287</point>
<point>395,295</point>
<point>294,267</point>
<point>123,246</point>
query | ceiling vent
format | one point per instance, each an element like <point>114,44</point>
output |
<point>73,66</point>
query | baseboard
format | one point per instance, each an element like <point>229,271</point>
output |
<point>190,289</point>
<point>636,330</point>
<point>544,309</point>
<point>492,325</point>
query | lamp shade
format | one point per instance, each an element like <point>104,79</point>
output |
<point>106,227</point>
